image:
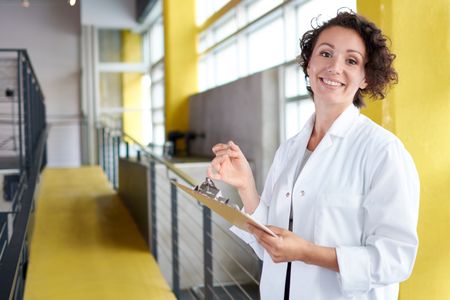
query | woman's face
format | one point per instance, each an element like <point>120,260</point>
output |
<point>336,66</point>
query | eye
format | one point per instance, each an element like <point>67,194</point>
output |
<point>325,54</point>
<point>352,61</point>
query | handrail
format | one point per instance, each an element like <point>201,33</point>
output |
<point>33,132</point>
<point>158,159</point>
<point>163,161</point>
<point>27,57</point>
<point>9,265</point>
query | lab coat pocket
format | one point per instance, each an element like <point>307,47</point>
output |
<point>338,220</point>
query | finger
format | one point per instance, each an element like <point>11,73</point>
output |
<point>229,152</point>
<point>235,149</point>
<point>260,234</point>
<point>219,147</point>
<point>276,230</point>
<point>268,245</point>
<point>233,146</point>
<point>222,152</point>
<point>218,161</point>
<point>234,154</point>
<point>215,166</point>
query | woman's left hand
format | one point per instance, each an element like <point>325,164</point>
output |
<point>285,247</point>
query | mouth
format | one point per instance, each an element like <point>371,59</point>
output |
<point>331,82</point>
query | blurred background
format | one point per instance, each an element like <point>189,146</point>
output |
<point>144,88</point>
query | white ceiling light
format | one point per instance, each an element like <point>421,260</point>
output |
<point>72,2</point>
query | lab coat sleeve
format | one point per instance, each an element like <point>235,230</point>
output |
<point>262,211</point>
<point>389,242</point>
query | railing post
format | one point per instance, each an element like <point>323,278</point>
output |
<point>175,257</point>
<point>127,150</point>
<point>207,254</point>
<point>113,161</point>
<point>154,238</point>
<point>108,154</point>
<point>103,150</point>
<point>20,102</point>
<point>117,159</point>
<point>99,145</point>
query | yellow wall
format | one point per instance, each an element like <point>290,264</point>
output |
<point>180,61</point>
<point>131,86</point>
<point>418,112</point>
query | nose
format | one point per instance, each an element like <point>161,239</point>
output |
<point>335,66</point>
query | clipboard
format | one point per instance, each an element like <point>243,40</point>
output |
<point>231,214</point>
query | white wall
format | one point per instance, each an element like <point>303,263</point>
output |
<point>108,13</point>
<point>50,31</point>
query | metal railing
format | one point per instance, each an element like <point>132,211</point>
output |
<point>30,132</point>
<point>198,255</point>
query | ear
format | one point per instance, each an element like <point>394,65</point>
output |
<point>363,84</point>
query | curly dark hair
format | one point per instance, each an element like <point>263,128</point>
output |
<point>380,74</point>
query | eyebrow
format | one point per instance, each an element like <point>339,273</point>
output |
<point>349,50</point>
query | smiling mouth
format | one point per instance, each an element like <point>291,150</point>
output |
<point>331,82</point>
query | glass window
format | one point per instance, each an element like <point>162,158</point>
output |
<point>158,95</point>
<point>158,116</point>
<point>157,73</point>
<point>295,84</point>
<point>226,64</point>
<point>265,46</point>
<point>319,11</point>
<point>259,7</point>
<point>203,74</point>
<point>297,114</point>
<point>270,41</point>
<point>206,8</point>
<point>110,45</point>
<point>159,134</point>
<point>290,81</point>
<point>110,90</point>
<point>225,29</point>
<point>206,72</point>
<point>156,41</point>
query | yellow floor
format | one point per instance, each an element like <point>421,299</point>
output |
<point>85,244</point>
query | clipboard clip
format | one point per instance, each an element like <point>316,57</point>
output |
<point>208,188</point>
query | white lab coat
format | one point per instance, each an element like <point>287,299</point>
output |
<point>359,193</point>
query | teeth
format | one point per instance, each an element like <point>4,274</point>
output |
<point>333,83</point>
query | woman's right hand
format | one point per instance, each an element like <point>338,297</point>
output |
<point>231,166</point>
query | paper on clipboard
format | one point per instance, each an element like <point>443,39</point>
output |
<point>231,214</point>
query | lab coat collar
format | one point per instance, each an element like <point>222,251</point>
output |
<point>342,124</point>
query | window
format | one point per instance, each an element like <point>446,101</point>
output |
<point>256,9</point>
<point>207,8</point>
<point>259,34</point>
<point>123,100</point>
<point>266,46</point>
<point>156,73</point>
<point>243,42</point>
<point>226,67</point>
<point>297,114</point>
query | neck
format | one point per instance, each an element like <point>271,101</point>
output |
<point>325,117</point>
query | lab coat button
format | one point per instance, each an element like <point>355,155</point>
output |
<point>288,194</point>
<point>302,193</point>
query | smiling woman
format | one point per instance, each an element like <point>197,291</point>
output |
<point>342,195</point>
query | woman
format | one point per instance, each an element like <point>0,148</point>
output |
<point>343,194</point>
